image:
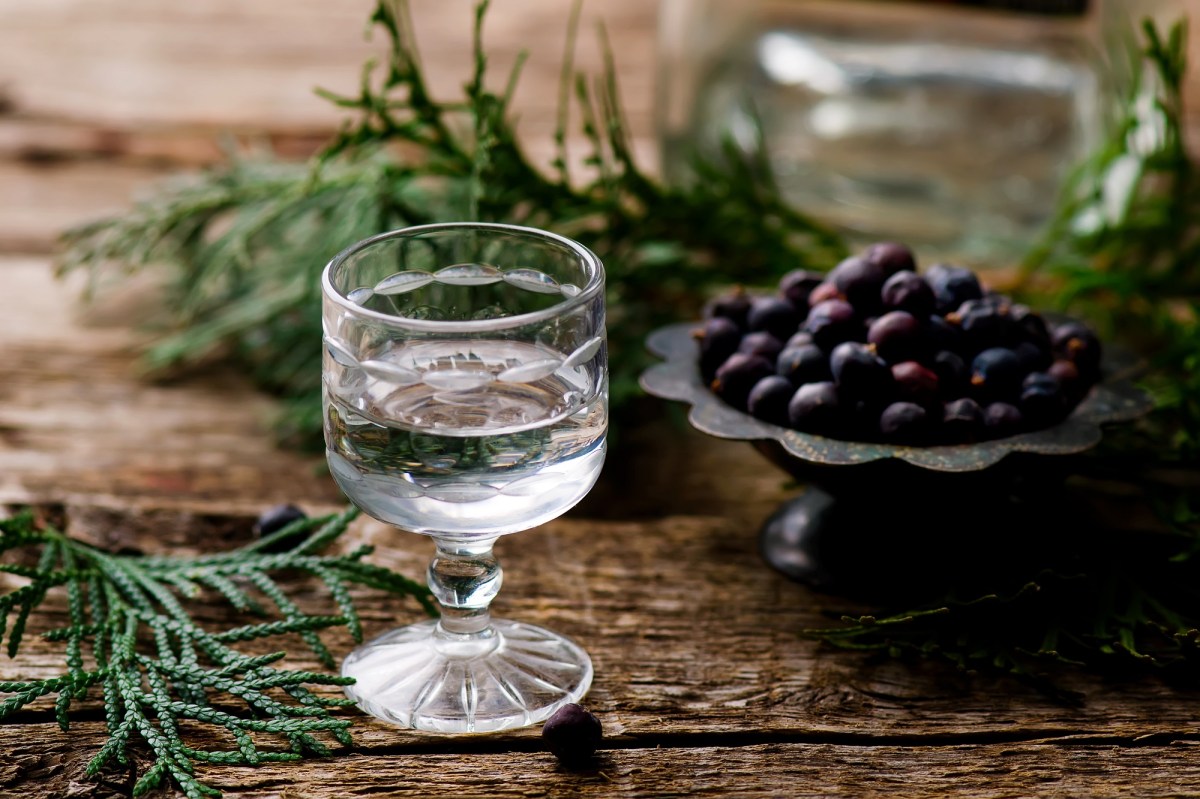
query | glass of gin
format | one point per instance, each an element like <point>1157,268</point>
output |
<point>466,397</point>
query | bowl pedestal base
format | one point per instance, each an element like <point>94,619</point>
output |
<point>916,541</point>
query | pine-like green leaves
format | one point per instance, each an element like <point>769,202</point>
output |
<point>243,245</point>
<point>129,633</point>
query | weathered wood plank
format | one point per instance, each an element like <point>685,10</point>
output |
<point>76,422</point>
<point>690,633</point>
<point>43,759</point>
<point>39,201</point>
<point>254,65</point>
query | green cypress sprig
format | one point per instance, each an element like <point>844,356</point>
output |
<point>244,243</point>
<point>129,633</point>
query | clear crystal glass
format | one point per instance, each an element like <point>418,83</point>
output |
<point>466,397</point>
<point>942,124</point>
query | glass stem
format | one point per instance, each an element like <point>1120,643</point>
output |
<point>465,578</point>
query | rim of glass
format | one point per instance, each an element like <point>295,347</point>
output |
<point>592,265</point>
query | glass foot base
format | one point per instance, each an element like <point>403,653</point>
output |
<point>421,678</point>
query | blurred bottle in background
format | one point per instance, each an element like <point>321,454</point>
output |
<point>947,124</point>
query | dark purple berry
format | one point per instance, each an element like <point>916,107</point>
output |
<point>769,399</point>
<point>760,343</point>
<point>915,383</point>
<point>796,285</point>
<point>799,339</point>
<point>1033,358</point>
<point>1002,419</point>
<point>719,338</point>
<point>962,421</point>
<point>952,286</point>
<point>738,375</point>
<point>573,734</point>
<point>984,325</point>
<point>860,373</point>
<point>904,422</point>
<point>816,408</point>
<point>953,375</point>
<point>830,323</point>
<point>823,292</point>
<point>1043,401</point>
<point>996,374</point>
<point>274,519</point>
<point>1067,374</point>
<point>773,315</point>
<point>942,335</point>
<point>906,291</point>
<point>1075,342</point>
<point>1031,325</point>
<point>897,336</point>
<point>733,306</point>
<point>804,364</point>
<point>891,257</point>
<point>861,281</point>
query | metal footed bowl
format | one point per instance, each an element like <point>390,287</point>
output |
<point>911,508</point>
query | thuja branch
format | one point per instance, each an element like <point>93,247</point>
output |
<point>131,639</point>
<point>243,244</point>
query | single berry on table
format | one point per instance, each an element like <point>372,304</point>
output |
<point>573,734</point>
<point>275,518</point>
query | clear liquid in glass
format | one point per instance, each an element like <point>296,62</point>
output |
<point>471,438</point>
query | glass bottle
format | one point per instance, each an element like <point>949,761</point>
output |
<point>949,125</point>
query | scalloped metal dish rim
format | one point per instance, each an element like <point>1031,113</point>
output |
<point>678,378</point>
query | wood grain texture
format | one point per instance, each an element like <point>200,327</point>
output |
<point>252,65</point>
<point>691,634</point>
<point>50,763</point>
<point>704,684</point>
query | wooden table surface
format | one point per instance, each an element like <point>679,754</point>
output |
<point>704,685</point>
